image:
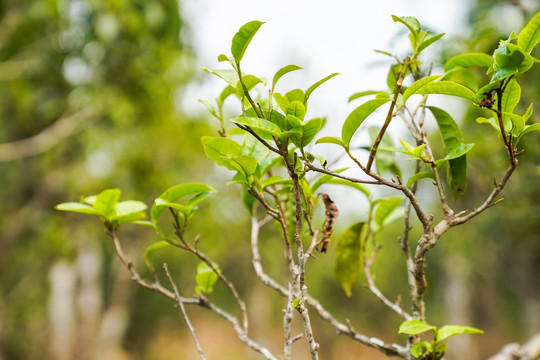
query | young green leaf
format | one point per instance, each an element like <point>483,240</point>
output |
<point>357,116</point>
<point>511,96</point>
<point>347,260</point>
<point>331,140</point>
<point>284,70</point>
<point>417,85</point>
<point>385,208</point>
<point>530,35</point>
<point>106,201</point>
<point>469,59</point>
<point>296,302</point>
<point>461,76</point>
<point>308,132</point>
<point>410,22</point>
<point>78,208</point>
<point>253,147</point>
<point>262,127</point>
<point>415,327</point>
<point>362,94</point>
<point>127,211</point>
<point>151,250</point>
<point>242,39</point>
<point>245,164</point>
<point>218,147</point>
<point>447,88</point>
<point>452,330</point>
<point>316,85</point>
<point>205,279</point>
<point>428,41</point>
<point>527,129</point>
<point>197,190</point>
<point>452,140</point>
<point>417,350</point>
<point>230,76</point>
<point>419,176</point>
<point>250,81</point>
<point>296,108</point>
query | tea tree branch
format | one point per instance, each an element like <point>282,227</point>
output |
<point>389,116</point>
<point>184,313</point>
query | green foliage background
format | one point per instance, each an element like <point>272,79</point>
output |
<point>134,64</point>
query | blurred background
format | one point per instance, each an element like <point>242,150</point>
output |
<point>103,94</point>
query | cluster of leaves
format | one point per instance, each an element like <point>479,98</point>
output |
<point>113,213</point>
<point>435,349</point>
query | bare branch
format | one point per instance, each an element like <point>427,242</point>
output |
<point>388,349</point>
<point>240,331</point>
<point>184,313</point>
<point>256,258</point>
<point>529,351</point>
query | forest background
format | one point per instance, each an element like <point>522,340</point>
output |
<point>93,96</point>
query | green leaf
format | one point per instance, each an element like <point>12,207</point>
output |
<point>385,208</point>
<point>530,35</point>
<point>250,81</point>
<point>428,41</point>
<point>511,96</point>
<point>296,302</point>
<point>209,107</point>
<point>528,129</point>
<point>127,211</point>
<point>415,327</point>
<point>229,90</point>
<point>357,116</point>
<point>78,208</point>
<point>265,127</point>
<point>242,39</point>
<point>458,151</point>
<point>331,140</point>
<point>197,190</point>
<point>449,129</point>
<point>106,202</point>
<point>276,180</point>
<point>308,132</point>
<point>362,94</point>
<point>246,164</point>
<point>410,22</point>
<point>205,279</point>
<point>296,108</point>
<point>296,95</point>
<point>284,70</point>
<point>469,59</point>
<point>218,147</point>
<point>230,76</point>
<point>453,139</point>
<point>316,85</point>
<point>447,88</point>
<point>417,85</point>
<point>364,190</point>
<point>452,330</point>
<point>419,176</point>
<point>253,147</point>
<point>151,250</point>
<point>347,260</point>
<point>461,76</point>
<point>417,350</point>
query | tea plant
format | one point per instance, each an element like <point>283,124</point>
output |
<point>271,148</point>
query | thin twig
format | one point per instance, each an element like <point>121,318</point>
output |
<point>389,116</point>
<point>240,331</point>
<point>184,313</point>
